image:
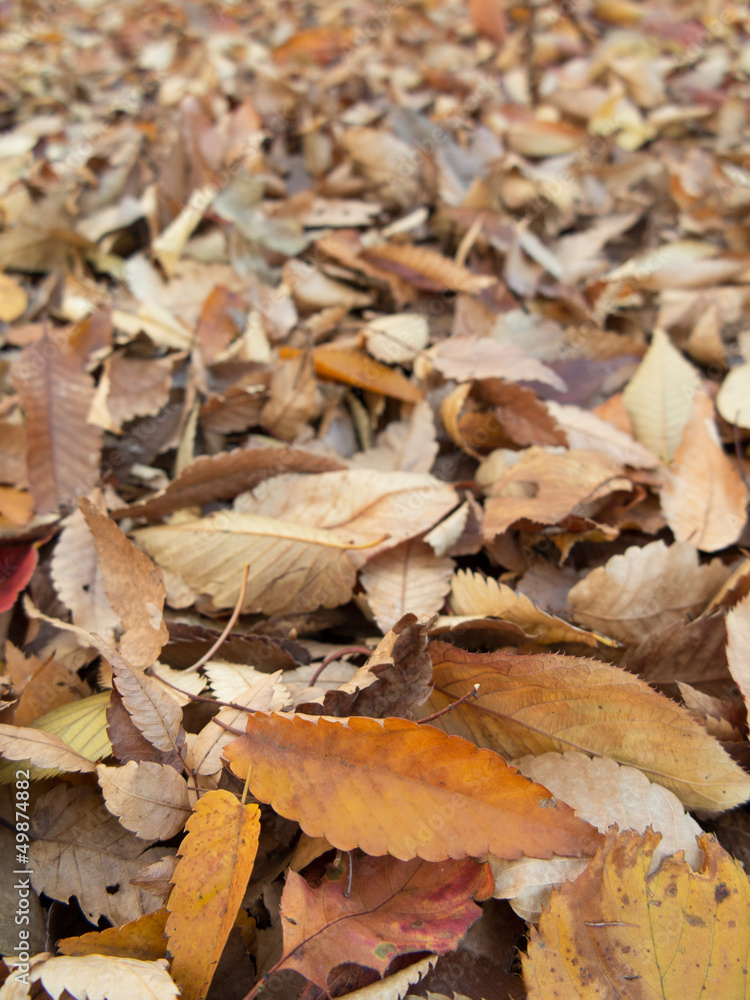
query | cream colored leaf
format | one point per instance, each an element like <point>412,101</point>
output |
<point>149,799</point>
<point>466,358</point>
<point>79,849</point>
<point>404,446</point>
<point>394,987</point>
<point>704,499</point>
<point>733,401</point>
<point>480,596</point>
<point>602,792</point>
<point>407,578</point>
<point>645,590</point>
<point>738,646</point>
<point>398,338</point>
<point>105,977</point>
<point>151,707</point>
<point>187,684</point>
<point>231,681</point>
<point>294,566</point>
<point>361,504</point>
<point>659,397</point>
<point>584,429</point>
<point>41,749</point>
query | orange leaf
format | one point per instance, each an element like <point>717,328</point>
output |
<point>392,786</point>
<point>676,934</point>
<point>216,858</point>
<point>359,369</point>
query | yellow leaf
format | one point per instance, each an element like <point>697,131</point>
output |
<point>142,938</point>
<point>216,859</point>
<point>619,932</point>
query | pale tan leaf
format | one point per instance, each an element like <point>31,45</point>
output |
<point>13,299</point>
<point>602,792</point>
<point>404,445</point>
<point>106,977</point>
<point>232,681</point>
<point>659,397</point>
<point>425,268</point>
<point>151,707</point>
<point>407,578</point>
<point>149,799</point>
<point>292,399</point>
<point>79,849</point>
<point>544,487</point>
<point>584,429</point>
<point>738,646</point>
<point>733,401</point>
<point>361,504</point>
<point>187,684</point>
<point>42,749</point>
<point>134,587</point>
<point>77,576</point>
<point>645,590</point>
<point>394,987</point>
<point>459,534</point>
<point>480,596</point>
<point>704,499</point>
<point>63,448</point>
<point>466,358</point>
<point>135,387</point>
<point>293,566</point>
<point>396,339</point>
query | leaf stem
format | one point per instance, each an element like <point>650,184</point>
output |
<point>474,693</point>
<point>230,624</point>
<point>337,656</point>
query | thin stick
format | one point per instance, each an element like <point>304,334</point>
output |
<point>337,656</point>
<point>351,874</point>
<point>230,624</point>
<point>247,785</point>
<point>474,693</point>
<point>229,729</point>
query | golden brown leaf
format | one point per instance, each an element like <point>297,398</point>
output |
<point>451,799</point>
<point>142,938</point>
<point>618,931</point>
<point>216,858</point>
<point>426,268</point>
<point>547,702</point>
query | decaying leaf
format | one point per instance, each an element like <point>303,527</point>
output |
<point>677,932</point>
<point>355,769</point>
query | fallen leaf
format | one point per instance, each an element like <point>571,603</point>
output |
<point>41,749</point>
<point>466,358</point>
<point>426,268</point>
<point>684,932</point>
<point>704,498</point>
<point>142,939</point>
<point>659,397</point>
<point>407,445</point>
<point>645,590</point>
<point>356,769</point>
<point>407,578</point>
<point>396,339</point>
<point>216,858</point>
<point>17,565</point>
<point>99,977</point>
<point>326,926</point>
<point>149,799</point>
<point>550,702</point>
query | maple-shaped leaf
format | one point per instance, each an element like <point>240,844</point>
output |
<point>392,786</point>
<point>547,702</point>
<point>394,907</point>
<point>619,932</point>
<point>216,858</point>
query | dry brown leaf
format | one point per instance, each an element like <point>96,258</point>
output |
<point>151,707</point>
<point>546,702</point>
<point>396,339</point>
<point>659,397</point>
<point>407,578</point>
<point>63,448</point>
<point>738,646</point>
<point>294,567</point>
<point>426,268</point>
<point>704,498</point>
<point>134,586</point>
<point>129,388</point>
<point>79,848</point>
<point>584,429</point>
<point>292,399</point>
<point>480,596</point>
<point>559,485</point>
<point>149,799</point>
<point>645,590</point>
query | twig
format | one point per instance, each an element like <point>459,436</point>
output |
<point>337,656</point>
<point>230,624</point>
<point>474,693</point>
<point>229,729</point>
<point>197,697</point>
